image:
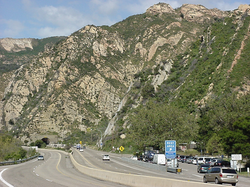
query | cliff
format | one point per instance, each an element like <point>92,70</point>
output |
<point>85,79</point>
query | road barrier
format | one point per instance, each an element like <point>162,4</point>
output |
<point>134,180</point>
<point>18,161</point>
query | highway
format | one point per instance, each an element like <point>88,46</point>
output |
<point>92,158</point>
<point>57,170</point>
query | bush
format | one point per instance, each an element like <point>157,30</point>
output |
<point>247,164</point>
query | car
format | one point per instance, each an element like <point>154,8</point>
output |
<point>221,175</point>
<point>190,160</point>
<point>181,158</point>
<point>40,157</point>
<point>134,157</point>
<point>105,158</point>
<point>203,168</point>
<point>214,160</point>
<point>148,156</point>
<point>208,161</point>
<point>221,163</point>
<point>195,162</point>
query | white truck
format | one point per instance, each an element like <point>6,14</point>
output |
<point>159,159</point>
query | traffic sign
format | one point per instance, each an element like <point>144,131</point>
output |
<point>236,156</point>
<point>121,148</point>
<point>170,148</point>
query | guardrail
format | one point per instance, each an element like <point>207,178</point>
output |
<point>18,161</point>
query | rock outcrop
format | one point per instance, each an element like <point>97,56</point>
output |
<point>83,79</point>
<point>16,45</point>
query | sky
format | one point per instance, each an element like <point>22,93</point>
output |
<point>46,18</point>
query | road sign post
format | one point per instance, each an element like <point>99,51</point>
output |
<point>170,149</point>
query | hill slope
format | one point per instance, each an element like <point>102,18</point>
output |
<point>114,78</point>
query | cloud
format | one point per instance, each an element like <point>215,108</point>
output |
<point>107,7</point>
<point>12,27</point>
<point>59,20</point>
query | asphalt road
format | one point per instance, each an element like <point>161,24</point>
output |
<point>57,170</point>
<point>117,163</point>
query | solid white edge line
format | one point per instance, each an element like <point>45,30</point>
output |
<point>5,182</point>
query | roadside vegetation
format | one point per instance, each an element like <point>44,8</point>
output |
<point>11,150</point>
<point>201,100</point>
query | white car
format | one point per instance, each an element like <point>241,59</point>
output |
<point>194,162</point>
<point>81,149</point>
<point>105,157</point>
<point>40,157</point>
<point>134,157</point>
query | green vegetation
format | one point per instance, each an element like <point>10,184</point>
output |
<point>204,99</point>
<point>11,150</point>
<point>219,125</point>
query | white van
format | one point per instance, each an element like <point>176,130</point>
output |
<point>202,160</point>
<point>159,159</point>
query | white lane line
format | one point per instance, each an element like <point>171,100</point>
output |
<point>198,176</point>
<point>5,182</point>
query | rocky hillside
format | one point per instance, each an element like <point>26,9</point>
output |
<point>86,79</point>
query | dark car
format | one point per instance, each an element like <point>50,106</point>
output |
<point>181,158</point>
<point>222,163</point>
<point>149,155</point>
<point>203,168</point>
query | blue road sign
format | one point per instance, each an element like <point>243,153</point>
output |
<point>170,148</point>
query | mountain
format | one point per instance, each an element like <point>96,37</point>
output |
<point>104,79</point>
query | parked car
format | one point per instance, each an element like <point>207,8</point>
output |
<point>134,157</point>
<point>148,156</point>
<point>190,160</point>
<point>105,157</point>
<point>202,160</point>
<point>222,163</point>
<point>180,158</point>
<point>203,168</point>
<point>195,161</point>
<point>208,161</point>
<point>221,175</point>
<point>40,157</point>
<point>214,160</point>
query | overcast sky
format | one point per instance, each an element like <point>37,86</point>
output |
<point>45,18</point>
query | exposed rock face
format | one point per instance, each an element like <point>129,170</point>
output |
<point>160,8</point>
<point>244,8</point>
<point>16,45</point>
<point>200,14</point>
<point>86,76</point>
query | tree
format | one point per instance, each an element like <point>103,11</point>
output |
<point>154,123</point>
<point>237,140</point>
<point>40,144</point>
<point>214,144</point>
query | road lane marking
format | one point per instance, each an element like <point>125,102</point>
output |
<point>74,177</point>
<point>5,182</point>
<point>197,175</point>
<point>88,161</point>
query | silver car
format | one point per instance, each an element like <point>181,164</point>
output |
<point>221,175</point>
